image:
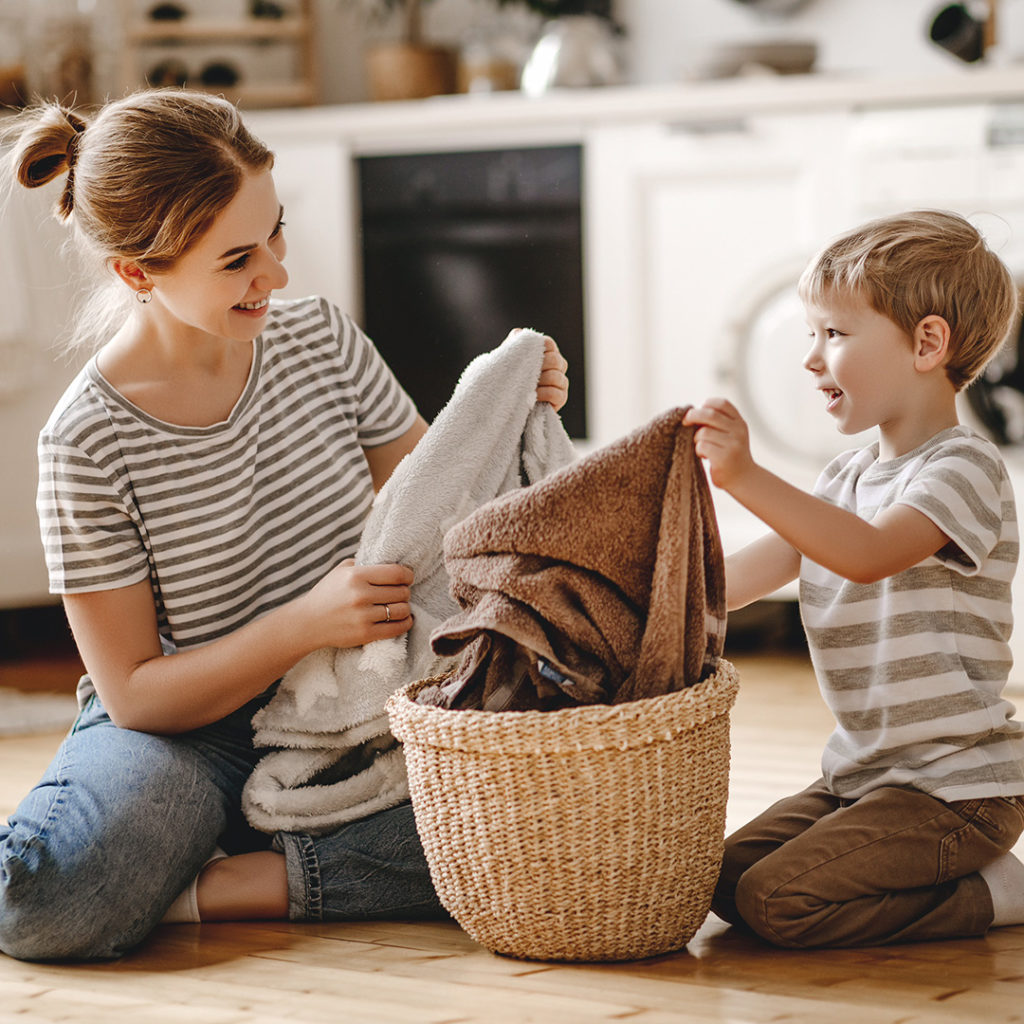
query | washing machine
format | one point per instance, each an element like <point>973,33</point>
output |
<point>968,158</point>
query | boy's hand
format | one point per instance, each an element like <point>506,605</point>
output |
<point>722,439</point>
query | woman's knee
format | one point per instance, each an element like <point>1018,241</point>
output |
<point>94,853</point>
<point>40,919</point>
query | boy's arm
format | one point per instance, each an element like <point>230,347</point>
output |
<point>841,541</point>
<point>759,569</point>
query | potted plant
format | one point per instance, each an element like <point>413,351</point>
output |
<point>409,67</point>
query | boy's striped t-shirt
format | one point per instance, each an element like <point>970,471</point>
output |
<point>231,520</point>
<point>913,666</point>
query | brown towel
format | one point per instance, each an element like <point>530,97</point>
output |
<point>602,583</point>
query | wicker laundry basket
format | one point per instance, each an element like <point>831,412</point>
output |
<point>590,833</point>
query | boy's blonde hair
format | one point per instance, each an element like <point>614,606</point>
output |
<point>924,262</point>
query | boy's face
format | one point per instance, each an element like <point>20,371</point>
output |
<point>862,362</point>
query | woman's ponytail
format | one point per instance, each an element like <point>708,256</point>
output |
<point>46,146</point>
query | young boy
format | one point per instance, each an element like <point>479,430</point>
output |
<point>905,554</point>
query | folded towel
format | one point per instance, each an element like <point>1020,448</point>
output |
<point>603,583</point>
<point>340,762</point>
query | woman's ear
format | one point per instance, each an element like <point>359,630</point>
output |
<point>131,273</point>
<point>931,342</point>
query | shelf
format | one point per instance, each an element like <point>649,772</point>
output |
<point>253,30</point>
<point>289,78</point>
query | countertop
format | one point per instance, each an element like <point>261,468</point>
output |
<point>366,127</point>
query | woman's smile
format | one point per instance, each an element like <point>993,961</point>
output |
<point>253,309</point>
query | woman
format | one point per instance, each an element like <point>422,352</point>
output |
<point>203,484</point>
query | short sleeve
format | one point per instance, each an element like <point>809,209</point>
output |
<point>964,490</point>
<point>89,539</point>
<point>384,409</point>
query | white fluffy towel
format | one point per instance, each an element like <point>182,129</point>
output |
<point>337,760</point>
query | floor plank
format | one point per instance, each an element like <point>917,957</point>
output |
<point>433,973</point>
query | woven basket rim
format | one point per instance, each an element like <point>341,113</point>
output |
<point>585,727</point>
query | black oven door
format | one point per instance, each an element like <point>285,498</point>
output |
<point>459,248</point>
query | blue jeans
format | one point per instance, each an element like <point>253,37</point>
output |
<point>122,821</point>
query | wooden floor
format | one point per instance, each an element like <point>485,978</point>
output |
<point>435,974</point>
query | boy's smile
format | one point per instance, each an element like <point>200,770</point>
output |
<point>832,395</point>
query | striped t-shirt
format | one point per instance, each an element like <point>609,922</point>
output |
<point>913,666</point>
<point>231,520</point>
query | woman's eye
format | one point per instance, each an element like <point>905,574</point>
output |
<point>277,230</point>
<point>239,263</point>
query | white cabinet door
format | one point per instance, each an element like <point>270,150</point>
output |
<point>315,183</point>
<point>688,237</point>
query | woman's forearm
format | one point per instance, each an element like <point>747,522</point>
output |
<point>177,692</point>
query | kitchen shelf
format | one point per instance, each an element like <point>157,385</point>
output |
<point>251,30</point>
<point>194,42</point>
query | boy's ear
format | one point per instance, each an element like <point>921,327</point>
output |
<point>931,342</point>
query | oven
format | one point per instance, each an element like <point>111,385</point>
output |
<point>460,247</point>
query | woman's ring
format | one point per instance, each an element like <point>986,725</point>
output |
<point>387,613</point>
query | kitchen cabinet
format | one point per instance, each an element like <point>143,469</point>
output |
<point>701,203</point>
<point>315,179</point>
<point>696,236</point>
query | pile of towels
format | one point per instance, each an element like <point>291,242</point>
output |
<point>542,581</point>
<point>603,583</point>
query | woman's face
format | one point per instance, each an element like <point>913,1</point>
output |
<point>221,287</point>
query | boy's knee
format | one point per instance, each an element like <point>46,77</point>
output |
<point>723,901</point>
<point>779,914</point>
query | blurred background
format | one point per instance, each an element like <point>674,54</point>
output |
<point>643,179</point>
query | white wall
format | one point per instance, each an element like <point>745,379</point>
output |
<point>665,38</point>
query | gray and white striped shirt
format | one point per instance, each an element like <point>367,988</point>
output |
<point>231,520</point>
<point>913,666</point>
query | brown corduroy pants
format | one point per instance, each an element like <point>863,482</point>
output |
<point>896,865</point>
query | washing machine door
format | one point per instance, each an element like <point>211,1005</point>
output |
<point>774,392</point>
<point>996,398</point>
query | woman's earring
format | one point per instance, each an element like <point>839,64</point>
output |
<point>144,295</point>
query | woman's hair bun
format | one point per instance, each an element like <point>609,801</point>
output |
<point>47,144</point>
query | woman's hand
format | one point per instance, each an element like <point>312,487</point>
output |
<point>553,384</point>
<point>356,604</point>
